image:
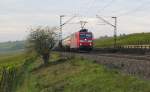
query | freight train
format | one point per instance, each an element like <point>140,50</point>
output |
<point>79,41</point>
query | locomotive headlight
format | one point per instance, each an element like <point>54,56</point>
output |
<point>90,44</point>
<point>80,44</point>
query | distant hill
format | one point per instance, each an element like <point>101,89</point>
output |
<point>131,39</point>
<point>10,46</point>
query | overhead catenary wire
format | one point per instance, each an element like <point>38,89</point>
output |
<point>88,7</point>
<point>84,9</point>
<point>137,9</point>
<point>91,4</point>
<point>106,6</point>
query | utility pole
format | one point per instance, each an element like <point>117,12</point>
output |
<point>61,26</point>
<point>60,33</point>
<point>113,25</point>
<point>115,32</point>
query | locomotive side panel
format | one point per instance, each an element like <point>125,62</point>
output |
<point>74,40</point>
<point>66,42</point>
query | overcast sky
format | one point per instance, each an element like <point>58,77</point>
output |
<point>18,16</point>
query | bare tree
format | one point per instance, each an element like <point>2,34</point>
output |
<point>41,40</point>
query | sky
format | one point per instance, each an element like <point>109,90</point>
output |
<point>17,17</point>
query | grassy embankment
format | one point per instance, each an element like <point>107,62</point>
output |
<point>12,59</point>
<point>76,74</point>
<point>11,69</point>
<point>132,39</point>
<point>69,75</point>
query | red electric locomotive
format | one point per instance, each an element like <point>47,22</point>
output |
<point>82,41</point>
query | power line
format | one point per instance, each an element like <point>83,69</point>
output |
<point>113,25</point>
<point>89,8</point>
<point>106,6</point>
<point>86,6</point>
<point>137,9</point>
<point>91,4</point>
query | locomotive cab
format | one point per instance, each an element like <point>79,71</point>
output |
<point>85,40</point>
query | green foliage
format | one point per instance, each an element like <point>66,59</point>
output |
<point>41,40</point>
<point>73,74</point>
<point>11,69</point>
<point>78,75</point>
<point>132,39</point>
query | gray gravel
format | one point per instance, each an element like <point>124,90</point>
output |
<point>129,64</point>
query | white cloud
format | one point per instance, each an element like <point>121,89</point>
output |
<point>15,25</point>
<point>17,16</point>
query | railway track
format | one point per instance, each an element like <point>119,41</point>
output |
<point>127,56</point>
<point>127,63</point>
<point>122,50</point>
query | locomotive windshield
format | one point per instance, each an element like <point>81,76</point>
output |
<point>83,36</point>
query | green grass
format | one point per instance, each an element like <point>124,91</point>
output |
<point>132,39</point>
<point>12,59</point>
<point>12,66</point>
<point>77,75</point>
<point>73,74</point>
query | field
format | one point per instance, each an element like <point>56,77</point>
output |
<point>20,72</point>
<point>12,66</point>
<point>132,39</point>
<point>6,60</point>
<point>71,74</point>
<point>14,47</point>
